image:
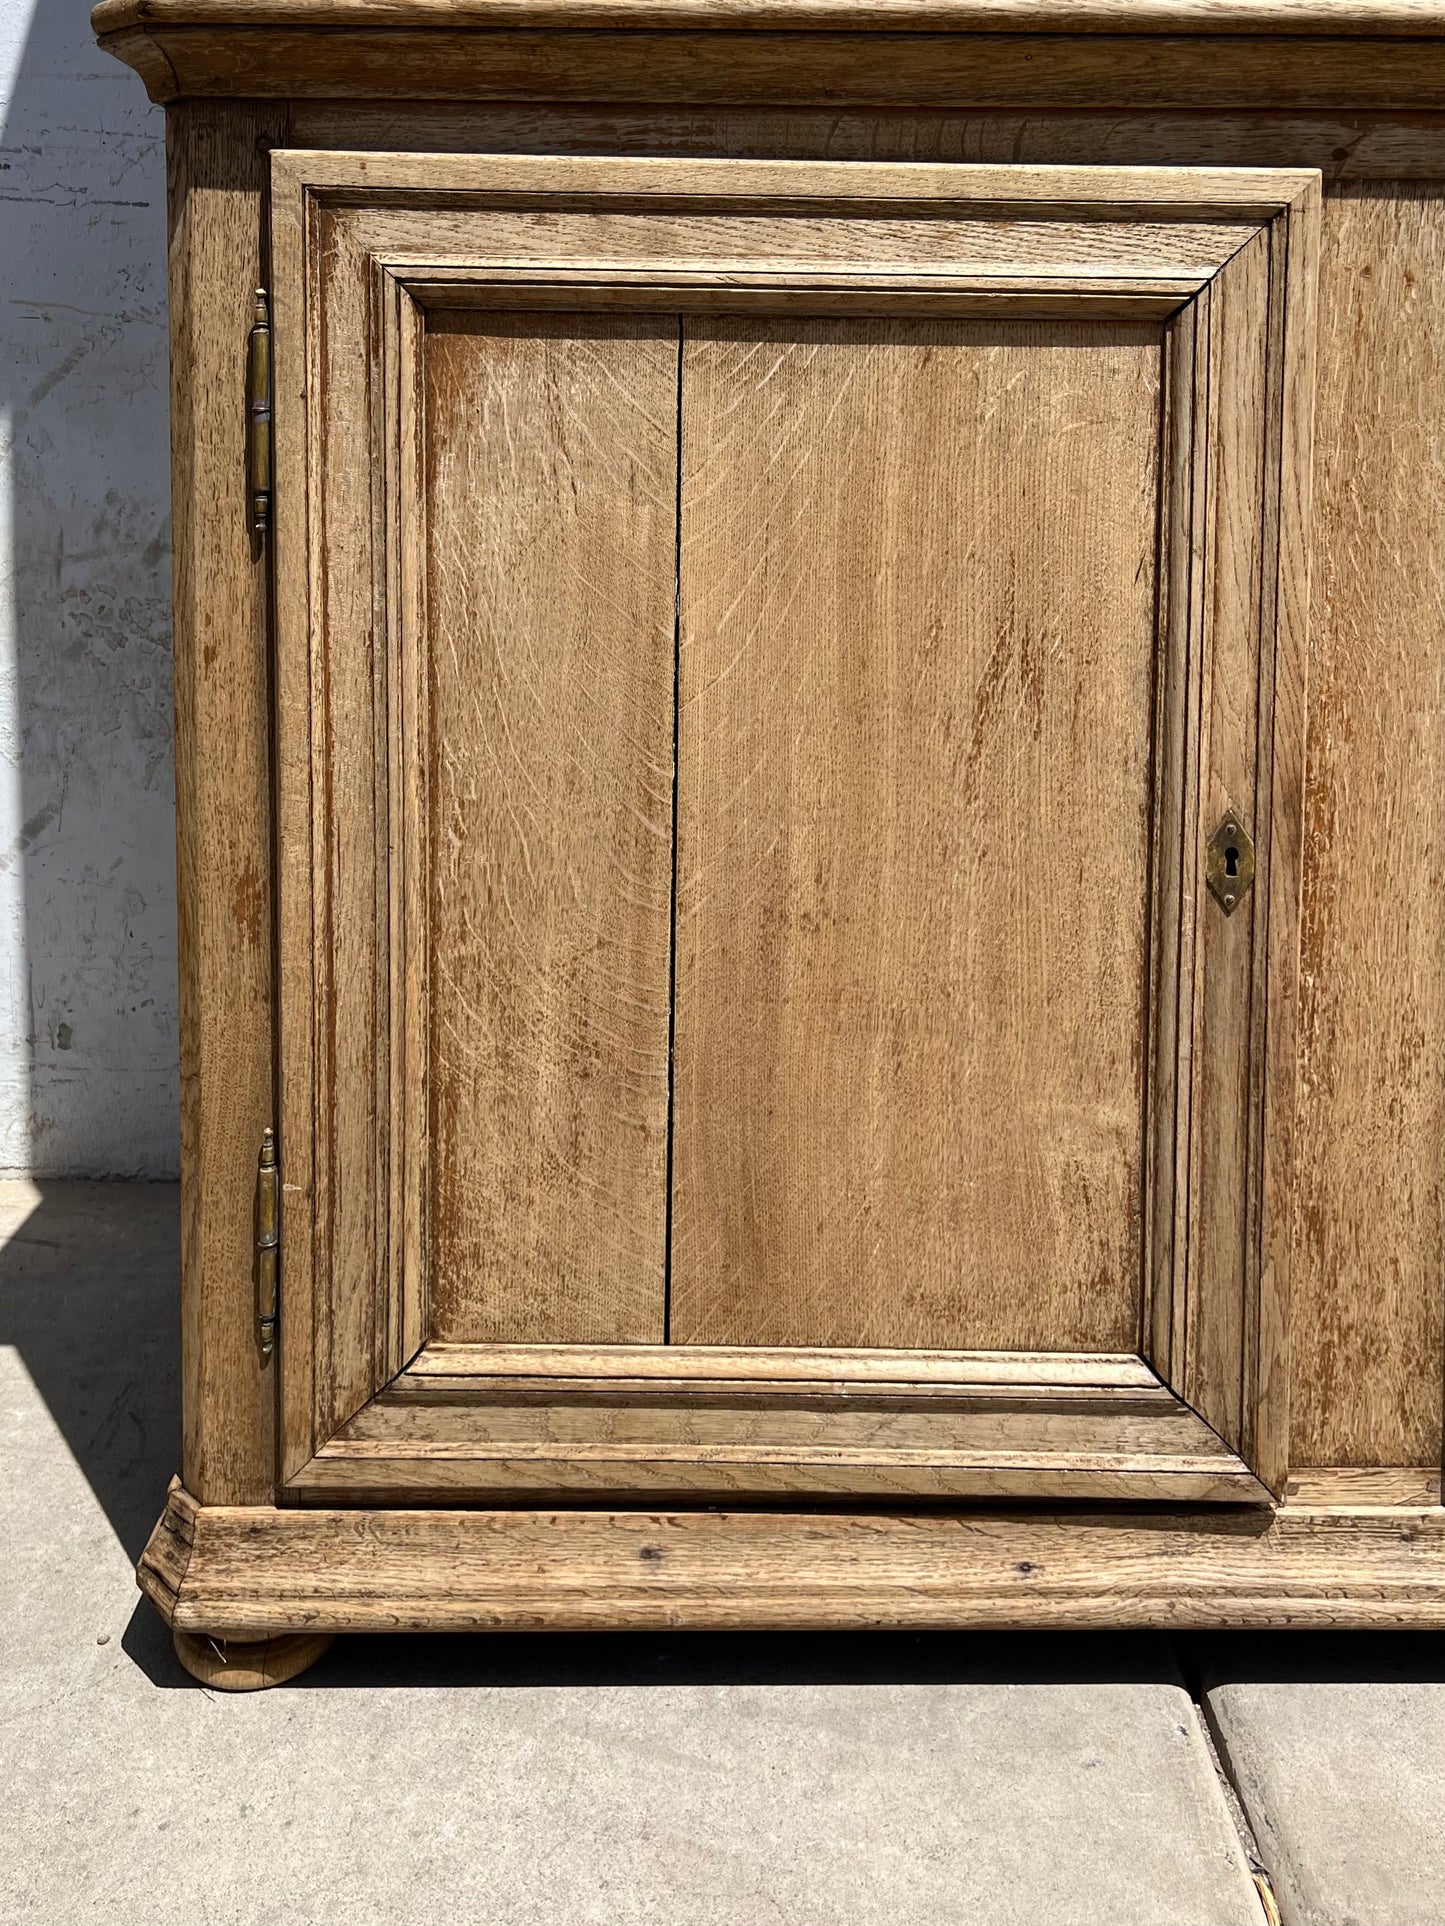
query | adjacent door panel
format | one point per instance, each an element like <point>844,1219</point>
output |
<point>917,692</point>
<point>551,525</point>
<point>762,651</point>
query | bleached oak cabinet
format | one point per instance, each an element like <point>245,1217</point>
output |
<point>810,666</point>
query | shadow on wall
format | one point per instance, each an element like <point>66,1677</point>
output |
<point>88,1078</point>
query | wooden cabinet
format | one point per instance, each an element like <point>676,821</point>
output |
<point>752,824</point>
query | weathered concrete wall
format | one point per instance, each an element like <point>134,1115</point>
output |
<point>87,890</point>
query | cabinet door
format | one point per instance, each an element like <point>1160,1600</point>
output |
<point>789,720</point>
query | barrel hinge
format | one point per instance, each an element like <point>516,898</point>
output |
<point>268,1240</point>
<point>258,413</point>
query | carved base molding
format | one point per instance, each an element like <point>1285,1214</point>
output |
<point>1347,1550</point>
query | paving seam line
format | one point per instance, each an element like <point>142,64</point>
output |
<point>1258,1871</point>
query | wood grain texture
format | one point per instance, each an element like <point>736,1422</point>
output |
<point>1227,1056</point>
<point>345,580</point>
<point>1366,1316</point>
<point>1407,18</point>
<point>700,1424</point>
<point>1350,1488</point>
<point>1178,698</point>
<point>334,723</point>
<point>161,1569</point>
<point>216,177</point>
<point>257,1571</point>
<point>551,518</point>
<point>995,775</point>
<point>724,66</point>
<point>521,1423</point>
<point>686,1443</point>
<point>1281,724</point>
<point>1047,1370</point>
<point>389,828</point>
<point>249,1665</point>
<point>1168,201</point>
<point>1237,436</point>
<point>1367,1321</point>
<point>914,749</point>
<point>301,1336</point>
<point>1389,146</point>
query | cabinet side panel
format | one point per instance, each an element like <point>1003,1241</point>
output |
<point>217,170</point>
<point>551,493</point>
<point>917,619</point>
<point>1371,1171</point>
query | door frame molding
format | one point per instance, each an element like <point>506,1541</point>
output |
<point>1161,242</point>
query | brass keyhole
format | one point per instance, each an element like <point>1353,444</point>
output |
<point>1229,864</point>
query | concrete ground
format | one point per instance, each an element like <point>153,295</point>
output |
<point>686,1780</point>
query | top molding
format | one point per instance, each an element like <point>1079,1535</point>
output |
<point>949,55</point>
<point>1389,18</point>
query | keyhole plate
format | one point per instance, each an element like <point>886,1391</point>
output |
<point>1229,864</point>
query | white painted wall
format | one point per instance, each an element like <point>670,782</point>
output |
<point>88,1081</point>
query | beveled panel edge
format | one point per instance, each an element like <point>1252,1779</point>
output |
<point>792,186</point>
<point>1286,404</point>
<point>601,1363</point>
<point>695,1424</point>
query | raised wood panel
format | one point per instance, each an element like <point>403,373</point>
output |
<point>551,518</point>
<point>1367,1296</point>
<point>916,676</point>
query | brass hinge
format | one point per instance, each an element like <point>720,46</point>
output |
<point>268,1240</point>
<point>258,413</point>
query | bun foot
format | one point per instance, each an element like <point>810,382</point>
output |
<point>234,1665</point>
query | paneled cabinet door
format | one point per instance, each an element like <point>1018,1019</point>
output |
<point>789,727</point>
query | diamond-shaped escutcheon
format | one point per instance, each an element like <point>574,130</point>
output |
<point>1229,864</point>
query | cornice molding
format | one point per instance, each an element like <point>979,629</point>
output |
<point>1331,18</point>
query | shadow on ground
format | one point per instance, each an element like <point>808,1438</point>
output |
<point>1313,1658</point>
<point>625,1659</point>
<point>90,1298</point>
